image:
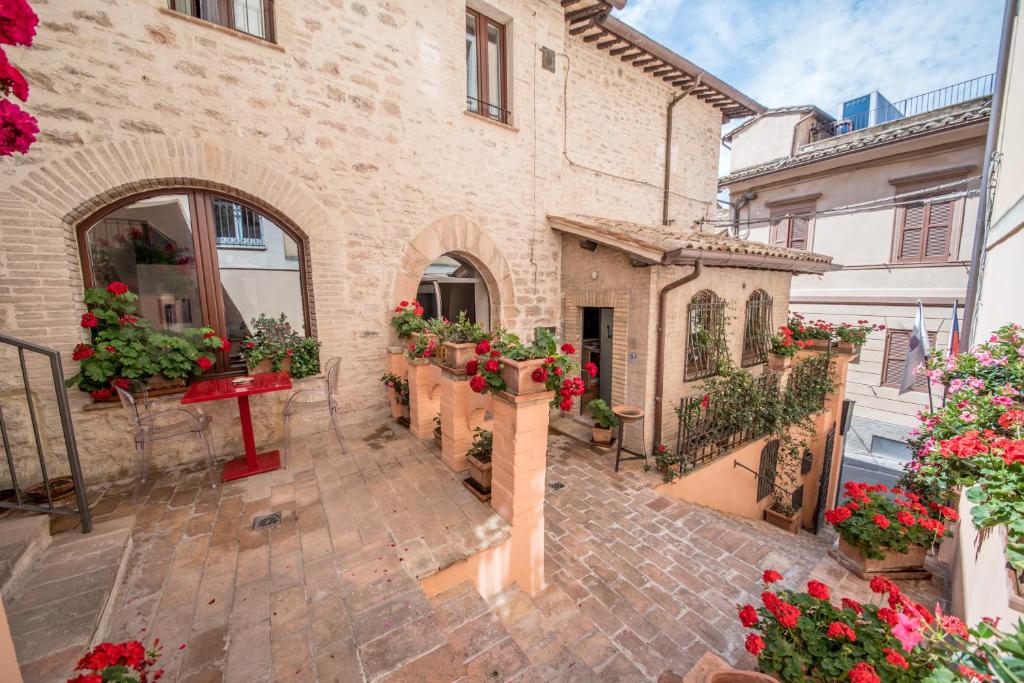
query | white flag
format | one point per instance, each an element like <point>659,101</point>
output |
<point>916,352</point>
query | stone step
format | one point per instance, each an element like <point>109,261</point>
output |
<point>58,606</point>
<point>22,539</point>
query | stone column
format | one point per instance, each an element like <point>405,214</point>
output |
<point>397,362</point>
<point>519,455</point>
<point>423,400</point>
<point>456,435</point>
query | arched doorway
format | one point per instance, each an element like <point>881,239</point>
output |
<point>451,286</point>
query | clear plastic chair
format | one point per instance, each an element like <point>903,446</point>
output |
<point>155,425</point>
<point>312,400</point>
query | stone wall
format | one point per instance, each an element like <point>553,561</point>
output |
<point>352,130</point>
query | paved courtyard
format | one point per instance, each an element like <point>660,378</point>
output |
<point>638,584</point>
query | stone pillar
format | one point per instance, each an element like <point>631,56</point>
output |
<point>424,402</point>
<point>397,362</point>
<point>456,435</point>
<point>519,455</point>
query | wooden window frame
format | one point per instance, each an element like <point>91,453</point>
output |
<point>482,22</point>
<point>204,241</point>
<point>887,358</point>
<point>226,9</point>
<point>954,229</point>
<point>786,213</point>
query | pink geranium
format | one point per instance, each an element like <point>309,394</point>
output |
<point>908,631</point>
<point>17,22</point>
<point>17,128</point>
<point>12,82</point>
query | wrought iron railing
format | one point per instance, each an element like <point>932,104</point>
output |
<point>237,225</point>
<point>706,430</point>
<point>766,483</point>
<point>705,335</point>
<point>21,500</point>
<point>484,108</point>
<point>757,330</point>
<point>918,104</point>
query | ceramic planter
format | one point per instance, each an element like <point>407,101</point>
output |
<point>602,435</point>
<point>846,347</point>
<point>790,524</point>
<point>405,413</point>
<point>480,471</point>
<point>267,365</point>
<point>912,559</point>
<point>779,363</point>
<point>820,344</point>
<point>455,356</point>
<point>737,676</point>
<point>516,374</point>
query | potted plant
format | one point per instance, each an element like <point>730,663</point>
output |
<point>408,319</point>
<point>125,662</point>
<point>784,511</point>
<point>274,347</point>
<point>604,421</point>
<point>667,463</point>
<point>782,347</point>
<point>460,340</point>
<point>800,636</point>
<point>398,395</point>
<point>421,346</point>
<point>479,458</point>
<point>124,350</point>
<point>882,529</point>
<point>437,430</point>
<point>852,337</point>
<point>816,334</point>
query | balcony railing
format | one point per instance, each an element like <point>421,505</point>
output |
<point>918,104</point>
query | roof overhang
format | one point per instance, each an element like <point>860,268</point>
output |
<point>728,259</point>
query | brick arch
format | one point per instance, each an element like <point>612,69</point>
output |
<point>458,235</point>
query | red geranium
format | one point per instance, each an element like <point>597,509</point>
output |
<point>204,363</point>
<point>905,518</point>
<point>539,375</point>
<point>748,616</point>
<point>565,404</point>
<point>838,515</point>
<point>483,348</point>
<point>1011,418</point>
<point>17,23</point>
<point>121,383</point>
<point>117,288</point>
<point>89,320</point>
<point>472,367</point>
<point>128,319</point>
<point>225,344</point>
<point>568,349</point>
<point>18,128</point>
<point>754,644</point>
<point>771,576</point>
<point>110,349</point>
<point>477,383</point>
<point>864,673</point>
<point>12,82</point>
<point>895,658</point>
<point>81,352</point>
<point>101,394</point>
<point>850,603</point>
<point>838,629</point>
<point>816,589</point>
<point>492,366</point>
<point>590,369</point>
<point>882,521</point>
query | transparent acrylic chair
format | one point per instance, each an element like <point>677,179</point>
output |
<point>306,401</point>
<point>156,425</point>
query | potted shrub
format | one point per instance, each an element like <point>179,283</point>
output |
<point>852,337</point>
<point>437,430</point>
<point>783,512</point>
<point>808,635</point>
<point>604,421</point>
<point>782,347</point>
<point>479,458</point>
<point>883,530</point>
<point>124,350</point>
<point>408,319</point>
<point>274,347</point>
<point>816,334</point>
<point>460,340</point>
<point>398,395</point>
<point>421,346</point>
<point>667,463</point>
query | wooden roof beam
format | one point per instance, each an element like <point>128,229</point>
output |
<point>582,28</point>
<point>594,36</point>
<point>605,44</point>
<point>645,60</point>
<point>619,50</point>
<point>630,57</point>
<point>654,67</point>
<point>583,13</point>
<point>569,3</point>
<point>660,73</point>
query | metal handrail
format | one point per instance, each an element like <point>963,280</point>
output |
<point>70,444</point>
<point>770,482</point>
<point>483,106</point>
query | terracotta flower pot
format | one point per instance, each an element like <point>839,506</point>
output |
<point>737,676</point>
<point>455,356</point>
<point>846,347</point>
<point>516,374</point>
<point>267,365</point>
<point>437,435</point>
<point>480,471</point>
<point>159,385</point>
<point>912,559</point>
<point>820,344</point>
<point>777,362</point>
<point>602,435</point>
<point>790,524</point>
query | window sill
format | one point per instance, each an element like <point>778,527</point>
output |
<point>488,119</point>
<point>166,11</point>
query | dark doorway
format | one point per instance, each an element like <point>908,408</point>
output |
<point>597,349</point>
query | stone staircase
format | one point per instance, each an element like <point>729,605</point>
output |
<point>57,591</point>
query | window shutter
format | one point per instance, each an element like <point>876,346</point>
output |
<point>912,233</point>
<point>781,232</point>
<point>936,245</point>
<point>896,347</point>
<point>799,226</point>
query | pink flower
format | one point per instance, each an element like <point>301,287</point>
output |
<point>11,80</point>
<point>17,128</point>
<point>17,22</point>
<point>908,631</point>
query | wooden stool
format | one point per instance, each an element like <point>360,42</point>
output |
<point>628,413</point>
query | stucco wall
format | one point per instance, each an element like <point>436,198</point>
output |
<point>353,129</point>
<point>769,138</point>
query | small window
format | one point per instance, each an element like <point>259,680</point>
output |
<point>923,231</point>
<point>766,470</point>
<point>757,329</point>
<point>791,228</point>
<point>237,225</point>
<point>897,343</point>
<point>486,81</point>
<point>255,17</point>
<point>705,335</point>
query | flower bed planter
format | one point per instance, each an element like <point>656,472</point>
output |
<point>737,676</point>
<point>777,362</point>
<point>516,375</point>
<point>790,524</point>
<point>912,560</point>
<point>820,344</point>
<point>159,386</point>
<point>602,435</point>
<point>849,348</point>
<point>479,482</point>
<point>455,356</point>
<point>267,365</point>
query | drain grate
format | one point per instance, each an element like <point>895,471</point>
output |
<point>266,521</point>
<point>557,485</point>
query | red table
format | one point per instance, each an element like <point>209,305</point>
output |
<point>223,388</point>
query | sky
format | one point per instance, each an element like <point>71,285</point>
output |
<point>783,52</point>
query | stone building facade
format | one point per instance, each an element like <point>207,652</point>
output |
<point>349,130</point>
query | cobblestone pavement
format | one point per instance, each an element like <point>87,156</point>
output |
<point>638,584</point>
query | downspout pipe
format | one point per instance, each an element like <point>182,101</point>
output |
<point>991,140</point>
<point>659,358</point>
<point>668,146</point>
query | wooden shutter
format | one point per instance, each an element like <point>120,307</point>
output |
<point>912,233</point>
<point>798,228</point>
<point>897,344</point>
<point>781,231</point>
<point>936,243</point>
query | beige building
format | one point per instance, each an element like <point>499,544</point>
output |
<point>893,204</point>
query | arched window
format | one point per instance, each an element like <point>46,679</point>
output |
<point>198,259</point>
<point>705,335</point>
<point>757,328</point>
<point>451,286</point>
